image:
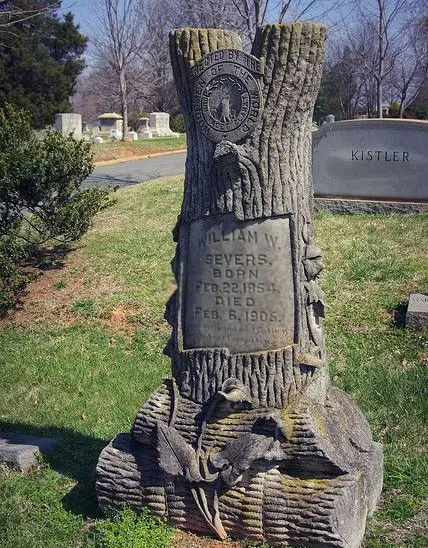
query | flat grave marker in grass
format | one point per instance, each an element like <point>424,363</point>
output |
<point>417,312</point>
<point>21,451</point>
<point>248,439</point>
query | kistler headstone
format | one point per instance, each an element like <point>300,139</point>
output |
<point>384,160</point>
<point>248,439</point>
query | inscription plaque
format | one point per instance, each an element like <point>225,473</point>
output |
<point>239,283</point>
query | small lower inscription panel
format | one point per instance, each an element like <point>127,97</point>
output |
<point>238,285</point>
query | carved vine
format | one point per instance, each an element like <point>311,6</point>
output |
<point>208,471</point>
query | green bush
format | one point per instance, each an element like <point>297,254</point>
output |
<point>394,110</point>
<point>177,123</point>
<point>129,530</point>
<point>41,200</point>
<point>12,281</point>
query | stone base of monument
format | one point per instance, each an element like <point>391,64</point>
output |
<point>343,206</point>
<point>309,474</point>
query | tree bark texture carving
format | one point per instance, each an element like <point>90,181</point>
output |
<point>248,439</point>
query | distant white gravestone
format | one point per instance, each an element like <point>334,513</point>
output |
<point>372,160</point>
<point>159,125</point>
<point>69,122</point>
<point>144,130</point>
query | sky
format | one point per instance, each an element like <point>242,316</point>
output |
<point>83,13</point>
<point>85,17</point>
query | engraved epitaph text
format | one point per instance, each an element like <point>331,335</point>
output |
<point>239,285</point>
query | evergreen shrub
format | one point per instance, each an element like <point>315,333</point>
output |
<point>42,204</point>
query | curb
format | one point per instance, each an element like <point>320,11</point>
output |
<point>142,157</point>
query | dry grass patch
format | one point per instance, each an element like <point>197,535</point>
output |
<point>119,273</point>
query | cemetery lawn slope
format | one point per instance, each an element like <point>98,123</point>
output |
<point>118,150</point>
<point>85,351</point>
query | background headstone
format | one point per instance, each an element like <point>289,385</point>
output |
<point>115,135</point>
<point>383,160</point>
<point>144,130</point>
<point>108,122</point>
<point>159,125</point>
<point>67,123</point>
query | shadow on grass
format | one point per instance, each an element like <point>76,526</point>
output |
<point>38,259</point>
<point>399,315</point>
<point>75,457</point>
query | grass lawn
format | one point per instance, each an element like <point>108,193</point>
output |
<point>85,351</point>
<point>113,150</point>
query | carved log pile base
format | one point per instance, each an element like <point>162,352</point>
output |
<point>248,439</point>
<point>315,477</point>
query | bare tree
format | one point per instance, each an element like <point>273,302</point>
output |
<point>254,13</point>
<point>118,42</point>
<point>410,72</point>
<point>12,13</point>
<point>157,91</point>
<point>96,91</point>
<point>343,74</point>
<point>203,13</point>
<point>390,21</point>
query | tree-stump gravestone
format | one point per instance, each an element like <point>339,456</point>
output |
<point>248,438</point>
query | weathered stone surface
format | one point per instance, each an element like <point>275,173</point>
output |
<point>248,439</point>
<point>226,94</point>
<point>313,486</point>
<point>417,312</point>
<point>20,451</point>
<point>372,159</point>
<point>159,125</point>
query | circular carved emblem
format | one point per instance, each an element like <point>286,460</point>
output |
<point>227,95</point>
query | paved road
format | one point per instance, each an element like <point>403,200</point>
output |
<point>136,171</point>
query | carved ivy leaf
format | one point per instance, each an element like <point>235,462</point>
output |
<point>238,455</point>
<point>176,456</point>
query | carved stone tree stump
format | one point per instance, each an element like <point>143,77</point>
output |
<point>248,439</point>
